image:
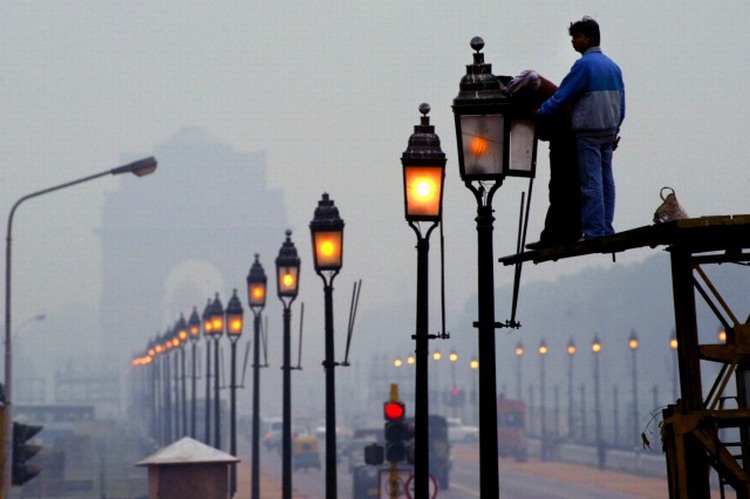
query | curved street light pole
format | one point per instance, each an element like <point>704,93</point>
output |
<point>139,168</point>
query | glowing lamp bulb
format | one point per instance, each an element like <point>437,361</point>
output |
<point>479,146</point>
<point>288,280</point>
<point>327,248</point>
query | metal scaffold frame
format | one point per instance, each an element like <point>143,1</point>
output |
<point>690,433</point>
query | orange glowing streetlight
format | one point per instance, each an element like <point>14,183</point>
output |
<point>596,345</point>
<point>633,340</point>
<point>424,173</point>
<point>543,350</point>
<point>721,335</point>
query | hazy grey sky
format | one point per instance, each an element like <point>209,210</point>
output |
<point>330,90</point>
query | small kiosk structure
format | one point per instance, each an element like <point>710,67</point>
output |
<point>188,469</point>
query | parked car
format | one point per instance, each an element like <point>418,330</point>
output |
<point>459,432</point>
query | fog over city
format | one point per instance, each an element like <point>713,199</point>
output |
<point>324,96</point>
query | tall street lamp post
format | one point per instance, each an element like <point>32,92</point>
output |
<point>206,318</point>
<point>596,348</point>
<point>675,376</point>
<point>287,285</point>
<point>437,356</point>
<point>494,141</point>
<point>182,336</point>
<point>455,392</point>
<point>167,373</point>
<point>423,165</point>
<point>139,168</point>
<point>327,233</point>
<point>173,344</point>
<point>194,330</point>
<point>411,362</point>
<point>474,366</point>
<point>571,351</point>
<point>154,397</point>
<point>158,390</point>
<point>633,345</point>
<point>256,300</point>
<point>543,350</point>
<point>166,420</point>
<point>234,315</point>
<point>216,316</point>
<point>519,355</point>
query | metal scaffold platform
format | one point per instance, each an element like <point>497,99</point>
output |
<point>691,426</point>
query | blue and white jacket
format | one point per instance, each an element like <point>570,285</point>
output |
<point>596,93</point>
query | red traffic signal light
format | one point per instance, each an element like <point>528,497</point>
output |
<point>394,411</point>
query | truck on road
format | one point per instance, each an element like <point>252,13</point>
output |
<point>511,428</point>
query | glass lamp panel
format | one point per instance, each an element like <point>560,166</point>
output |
<point>256,294</point>
<point>328,249</point>
<point>234,325</point>
<point>423,191</point>
<point>287,280</point>
<point>195,331</point>
<point>483,144</point>
<point>217,325</point>
<point>522,143</point>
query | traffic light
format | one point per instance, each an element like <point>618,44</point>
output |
<point>374,454</point>
<point>23,451</point>
<point>395,431</point>
<point>454,397</point>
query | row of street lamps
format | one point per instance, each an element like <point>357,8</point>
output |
<point>456,396</point>
<point>571,351</point>
<point>326,231</point>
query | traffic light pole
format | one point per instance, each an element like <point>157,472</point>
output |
<point>394,412</point>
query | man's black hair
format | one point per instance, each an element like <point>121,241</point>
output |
<point>587,27</point>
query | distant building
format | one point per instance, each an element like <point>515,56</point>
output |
<point>191,230</point>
